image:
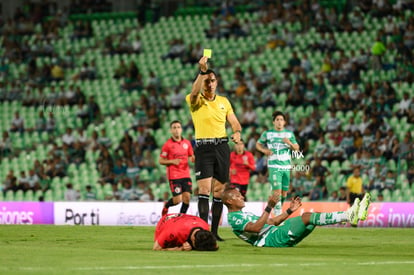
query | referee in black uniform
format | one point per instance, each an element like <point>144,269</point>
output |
<point>210,112</point>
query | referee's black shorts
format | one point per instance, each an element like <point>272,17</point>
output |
<point>212,160</point>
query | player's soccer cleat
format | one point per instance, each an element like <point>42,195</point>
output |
<point>363,207</point>
<point>164,210</point>
<point>353,213</point>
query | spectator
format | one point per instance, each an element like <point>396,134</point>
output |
<point>249,116</point>
<point>355,186</point>
<point>33,181</point>
<point>23,181</point>
<point>342,193</point>
<point>89,194</point>
<point>94,111</point>
<point>5,144</point>
<point>115,193</point>
<point>296,185</point>
<point>177,99</point>
<point>378,50</point>
<point>128,193</point>
<point>319,170</point>
<point>119,169</point>
<point>17,124</point>
<point>334,196</point>
<point>177,49</point>
<point>68,138</point>
<point>104,140</point>
<point>51,124</point>
<point>11,183</point>
<point>77,154</point>
<point>148,161</point>
<point>321,148</point>
<point>404,105</point>
<point>70,193</point>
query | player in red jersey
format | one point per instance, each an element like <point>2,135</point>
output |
<point>241,163</point>
<point>183,232</point>
<point>175,154</point>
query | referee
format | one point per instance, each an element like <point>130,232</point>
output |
<point>212,153</point>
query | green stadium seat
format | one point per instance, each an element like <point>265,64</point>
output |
<point>19,195</point>
<point>29,195</point>
<point>9,196</point>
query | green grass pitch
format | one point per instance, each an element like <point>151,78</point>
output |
<point>42,249</point>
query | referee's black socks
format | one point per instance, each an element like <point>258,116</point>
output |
<point>216,209</point>
<point>184,208</point>
<point>203,206</point>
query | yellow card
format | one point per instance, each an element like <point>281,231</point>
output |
<point>207,52</point>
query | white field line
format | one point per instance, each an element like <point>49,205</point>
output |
<point>152,267</point>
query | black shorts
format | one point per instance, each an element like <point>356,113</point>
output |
<point>179,186</point>
<point>212,160</point>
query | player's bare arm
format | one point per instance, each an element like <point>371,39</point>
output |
<point>264,218</point>
<point>164,161</point>
<point>294,147</point>
<point>295,204</point>
<point>185,247</point>
<point>261,148</point>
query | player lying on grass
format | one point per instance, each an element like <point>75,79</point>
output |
<point>281,231</point>
<point>183,232</point>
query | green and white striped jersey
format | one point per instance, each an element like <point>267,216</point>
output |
<point>282,154</point>
<point>238,221</point>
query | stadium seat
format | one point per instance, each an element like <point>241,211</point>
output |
<point>9,196</point>
<point>29,195</point>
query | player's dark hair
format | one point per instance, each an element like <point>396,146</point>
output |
<point>205,240</point>
<point>175,121</point>
<point>225,196</point>
<point>278,113</point>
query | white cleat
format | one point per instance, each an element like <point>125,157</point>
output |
<point>353,213</point>
<point>363,207</point>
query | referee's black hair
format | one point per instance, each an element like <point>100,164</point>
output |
<point>209,71</point>
<point>278,113</point>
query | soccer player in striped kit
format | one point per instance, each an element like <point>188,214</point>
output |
<point>277,144</point>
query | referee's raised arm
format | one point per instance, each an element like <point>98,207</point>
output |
<point>198,83</point>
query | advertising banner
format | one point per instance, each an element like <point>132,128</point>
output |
<point>148,213</point>
<point>124,213</point>
<point>107,213</point>
<point>26,213</point>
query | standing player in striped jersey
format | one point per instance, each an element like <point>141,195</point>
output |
<point>277,144</point>
<point>175,154</point>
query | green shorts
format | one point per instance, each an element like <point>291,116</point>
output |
<point>288,234</point>
<point>279,179</point>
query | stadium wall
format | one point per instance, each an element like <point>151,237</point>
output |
<point>148,213</point>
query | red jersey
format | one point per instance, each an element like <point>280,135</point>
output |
<point>177,150</point>
<point>174,229</point>
<point>240,166</point>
